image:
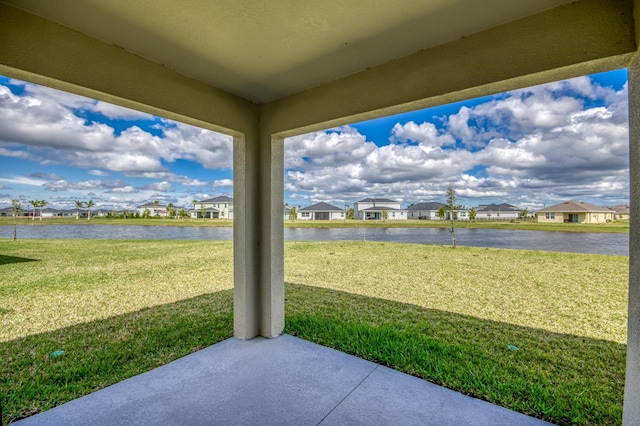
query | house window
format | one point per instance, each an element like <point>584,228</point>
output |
<point>550,215</point>
<point>393,214</point>
<point>305,214</point>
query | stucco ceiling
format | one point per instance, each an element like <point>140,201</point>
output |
<point>265,50</point>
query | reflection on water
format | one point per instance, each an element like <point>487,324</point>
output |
<point>577,242</point>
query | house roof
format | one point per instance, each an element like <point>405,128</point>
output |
<point>434,205</point>
<point>219,199</point>
<point>504,207</point>
<point>574,207</point>
<point>379,209</point>
<point>621,209</point>
<point>263,51</point>
<point>377,200</point>
<point>151,205</point>
<point>321,207</point>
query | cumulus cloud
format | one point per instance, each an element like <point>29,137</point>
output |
<point>51,125</point>
<point>51,176</point>
<point>120,113</point>
<point>532,146</point>
<point>158,186</point>
<point>98,173</point>
<point>90,185</point>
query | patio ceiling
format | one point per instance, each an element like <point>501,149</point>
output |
<point>265,50</point>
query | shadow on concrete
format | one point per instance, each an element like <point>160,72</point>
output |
<point>6,260</point>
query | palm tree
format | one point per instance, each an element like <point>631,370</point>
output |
<point>34,204</point>
<point>79,205</point>
<point>194,207</point>
<point>170,210</point>
<point>41,204</point>
<point>89,204</point>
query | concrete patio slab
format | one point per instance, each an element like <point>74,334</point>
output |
<point>281,381</point>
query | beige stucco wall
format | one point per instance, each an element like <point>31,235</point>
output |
<point>596,217</point>
<point>541,217</point>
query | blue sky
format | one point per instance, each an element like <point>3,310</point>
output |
<point>531,147</point>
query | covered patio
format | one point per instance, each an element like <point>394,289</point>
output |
<point>264,71</point>
<point>280,381</point>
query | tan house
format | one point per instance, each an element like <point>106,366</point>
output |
<point>621,212</point>
<point>575,212</point>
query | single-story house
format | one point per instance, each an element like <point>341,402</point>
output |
<point>372,209</point>
<point>575,212</point>
<point>621,212</point>
<point>502,211</point>
<point>321,211</point>
<point>425,211</point>
<point>7,211</point>
<point>213,208</point>
<point>51,212</point>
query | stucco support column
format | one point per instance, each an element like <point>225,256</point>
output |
<point>631,410</point>
<point>258,167</point>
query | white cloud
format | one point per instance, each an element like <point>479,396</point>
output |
<point>222,183</point>
<point>158,186</point>
<point>554,142</point>
<point>46,121</point>
<point>22,180</point>
<point>115,112</point>
<point>98,173</point>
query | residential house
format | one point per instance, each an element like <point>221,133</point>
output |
<point>7,211</point>
<point>51,212</point>
<point>321,211</point>
<point>621,212</point>
<point>502,211</point>
<point>220,207</point>
<point>575,212</point>
<point>372,208</point>
<point>154,210</point>
<point>425,211</point>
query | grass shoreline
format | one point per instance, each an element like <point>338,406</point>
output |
<point>119,308</point>
<point>613,227</point>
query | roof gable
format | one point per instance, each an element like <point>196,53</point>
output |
<point>504,207</point>
<point>377,200</point>
<point>572,206</point>
<point>321,207</point>
<point>219,199</point>
<point>434,205</point>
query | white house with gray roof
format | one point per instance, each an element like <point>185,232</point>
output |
<point>373,208</point>
<point>502,211</point>
<point>425,211</point>
<point>213,208</point>
<point>154,210</point>
<point>321,211</point>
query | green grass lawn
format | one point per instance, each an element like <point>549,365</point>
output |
<point>119,308</point>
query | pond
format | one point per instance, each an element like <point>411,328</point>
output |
<point>576,242</point>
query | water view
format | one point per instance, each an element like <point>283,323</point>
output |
<point>596,243</point>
